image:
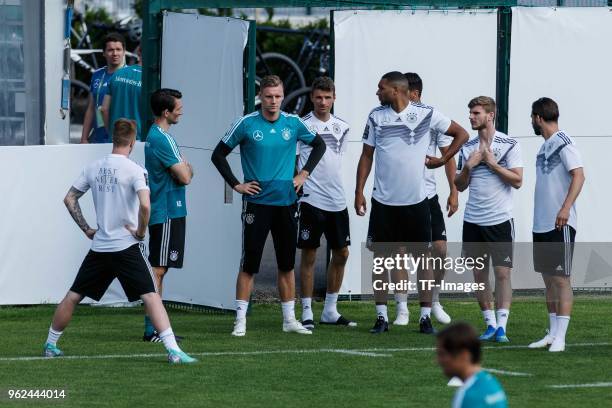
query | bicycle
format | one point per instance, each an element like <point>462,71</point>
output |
<point>293,73</point>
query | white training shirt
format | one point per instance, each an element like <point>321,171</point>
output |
<point>490,199</point>
<point>401,141</point>
<point>114,181</point>
<point>556,158</point>
<point>323,188</point>
<point>437,140</point>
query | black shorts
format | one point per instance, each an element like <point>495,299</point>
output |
<point>405,223</point>
<point>494,241</point>
<point>438,229</point>
<point>553,251</point>
<point>130,266</point>
<point>257,221</point>
<point>167,243</point>
<point>315,222</point>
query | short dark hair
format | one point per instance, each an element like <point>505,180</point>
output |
<point>164,98</point>
<point>459,337</point>
<point>124,131</point>
<point>323,84</point>
<point>546,108</point>
<point>415,83</point>
<point>396,78</point>
<point>113,37</point>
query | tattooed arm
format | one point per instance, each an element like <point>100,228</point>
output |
<point>72,204</point>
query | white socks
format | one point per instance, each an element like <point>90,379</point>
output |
<point>53,336</point>
<point>425,312</point>
<point>169,340</point>
<point>307,309</point>
<point>381,310</point>
<point>562,323</point>
<point>402,307</point>
<point>502,318</point>
<point>241,308</point>
<point>552,324</point>
<point>288,310</point>
<point>330,312</point>
<point>489,318</point>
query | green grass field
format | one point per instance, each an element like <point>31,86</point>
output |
<point>334,366</point>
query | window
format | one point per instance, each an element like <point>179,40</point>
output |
<point>21,97</point>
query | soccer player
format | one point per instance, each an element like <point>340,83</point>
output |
<point>459,354</point>
<point>169,173</point>
<point>559,179</point>
<point>122,203</point>
<point>114,53</point>
<point>438,141</point>
<point>399,131</point>
<point>268,141</point>
<point>491,166</point>
<point>123,96</point>
<point>323,206</point>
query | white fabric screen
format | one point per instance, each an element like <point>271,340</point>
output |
<point>561,53</point>
<point>202,57</point>
<point>453,52</point>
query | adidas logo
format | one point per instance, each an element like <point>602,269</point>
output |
<point>398,119</point>
<point>507,259</point>
<point>326,129</point>
<point>559,268</point>
<point>443,233</point>
<point>272,130</point>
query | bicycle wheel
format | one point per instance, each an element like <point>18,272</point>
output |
<point>298,102</point>
<point>274,63</point>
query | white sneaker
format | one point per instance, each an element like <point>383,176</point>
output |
<point>455,382</point>
<point>438,311</point>
<point>545,342</point>
<point>402,319</point>
<point>557,346</point>
<point>239,328</point>
<point>293,326</point>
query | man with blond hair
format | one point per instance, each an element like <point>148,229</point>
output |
<point>490,165</point>
<point>268,140</point>
<point>122,202</point>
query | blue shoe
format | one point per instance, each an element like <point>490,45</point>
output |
<point>180,357</point>
<point>488,334</point>
<point>52,351</point>
<point>500,336</point>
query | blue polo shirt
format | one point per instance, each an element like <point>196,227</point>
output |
<point>267,154</point>
<point>99,88</point>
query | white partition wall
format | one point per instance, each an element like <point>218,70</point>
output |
<point>453,52</point>
<point>202,57</point>
<point>41,248</point>
<point>563,53</point>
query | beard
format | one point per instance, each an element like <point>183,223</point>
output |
<point>537,129</point>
